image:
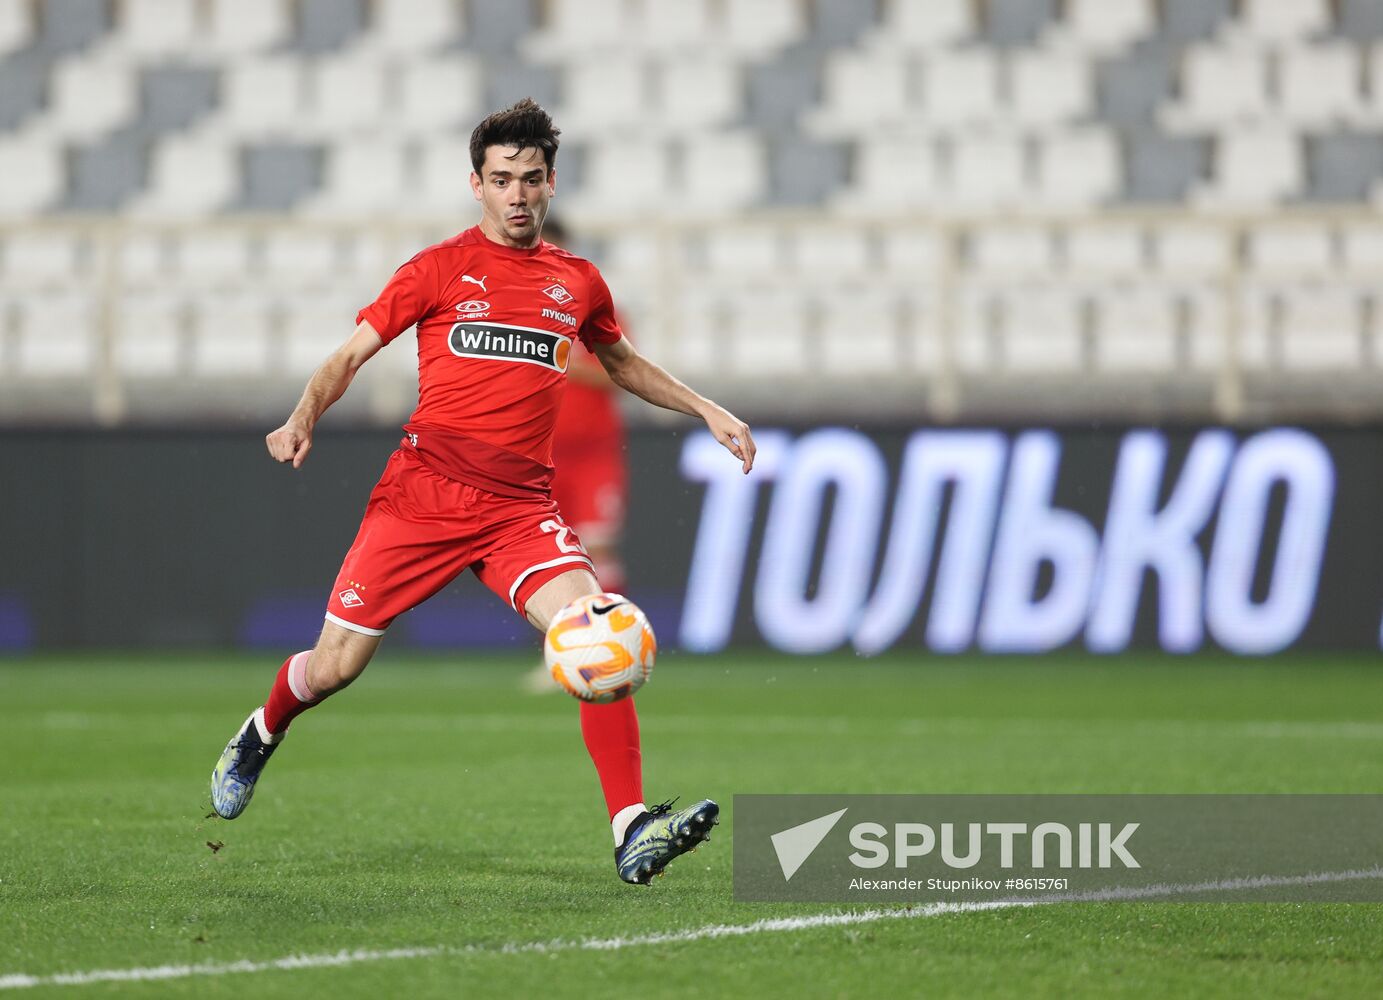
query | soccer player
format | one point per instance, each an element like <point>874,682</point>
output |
<point>498,314</point>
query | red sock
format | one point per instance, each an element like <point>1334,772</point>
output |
<point>290,695</point>
<point>611,733</point>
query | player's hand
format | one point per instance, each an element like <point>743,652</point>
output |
<point>733,433</point>
<point>290,443</point>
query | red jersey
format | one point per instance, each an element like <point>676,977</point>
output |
<point>590,418</point>
<point>496,326</point>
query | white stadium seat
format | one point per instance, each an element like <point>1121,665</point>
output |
<point>410,27</point>
<point>1322,329</point>
<point>1363,249</point>
<point>768,335</point>
<point>1105,27</point>
<point>238,27</point>
<point>1049,88</point>
<point>190,177</point>
<point>1012,252</point>
<point>721,173</point>
<point>16,24</point>
<point>604,95</point>
<point>621,177</point>
<point>1291,251</point>
<point>1319,85</point>
<point>1136,330</point>
<point>90,97</point>
<point>231,338</point>
<point>156,27</point>
<point>575,27</point>
<point>213,259</point>
<point>1219,87</point>
<point>149,336</point>
<point>1078,170</point>
<point>312,330</point>
<point>859,335</point>
<point>975,333</point>
<point>1192,250</point>
<point>56,337</point>
<point>436,96</point>
<point>37,258</point>
<point>879,165</point>
<point>743,255</point>
<point>301,258</point>
<point>828,257</point>
<point>912,257</point>
<point>1042,331</point>
<point>1204,307</point>
<point>759,29</point>
<point>444,167</point>
<point>989,173</point>
<point>1100,252</point>
<point>262,97</point>
<point>862,91</point>
<point>1254,169</point>
<point>686,26</point>
<point>915,26</point>
<point>361,179</point>
<point>346,96</point>
<point>960,89</point>
<point>1279,21</point>
<point>698,93</point>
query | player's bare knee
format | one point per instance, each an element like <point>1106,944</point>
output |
<point>339,657</point>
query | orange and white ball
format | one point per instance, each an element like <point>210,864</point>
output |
<point>600,648</point>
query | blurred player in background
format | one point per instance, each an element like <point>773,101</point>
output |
<point>498,313</point>
<point>590,479</point>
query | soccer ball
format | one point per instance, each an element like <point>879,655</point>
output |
<point>600,648</point>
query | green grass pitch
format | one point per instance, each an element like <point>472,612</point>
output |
<point>434,806</point>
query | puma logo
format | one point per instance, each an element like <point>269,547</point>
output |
<point>477,281</point>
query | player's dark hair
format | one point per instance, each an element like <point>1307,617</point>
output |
<point>524,125</point>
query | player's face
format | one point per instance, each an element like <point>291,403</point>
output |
<point>513,188</point>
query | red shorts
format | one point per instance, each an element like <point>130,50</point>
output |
<point>591,487</point>
<point>421,530</point>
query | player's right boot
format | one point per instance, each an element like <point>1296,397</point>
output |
<point>233,779</point>
<point>657,837</point>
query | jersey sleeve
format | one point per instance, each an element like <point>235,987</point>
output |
<point>602,325</point>
<point>409,296</point>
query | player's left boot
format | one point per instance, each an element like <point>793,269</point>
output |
<point>659,836</point>
<point>233,779</point>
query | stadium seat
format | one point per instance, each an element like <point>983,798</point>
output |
<point>696,93</point>
<point>56,337</point>
<point>697,333</point>
<point>1291,251</point>
<point>1042,331</point>
<point>1318,86</point>
<point>1362,246</point>
<point>1135,330</point>
<point>921,27</point>
<point>189,177</point>
<point>16,24</point>
<point>143,259</point>
<point>768,335</point>
<point>1102,251</point>
<point>1078,170</point>
<point>312,329</point>
<point>1274,22</point>
<point>759,29</point>
<point>1012,252</point>
<point>912,257</point>
<point>920,352</point>
<point>621,177</point>
<point>38,259</point>
<point>861,93</point>
<point>301,258</point>
<point>444,167</point>
<point>1048,88</point>
<point>960,88</point>
<point>828,257</point>
<point>1254,169</point>
<point>346,97</point>
<point>213,258</point>
<point>231,338</point>
<point>156,28</point>
<point>720,174</point>
<point>437,96</point>
<point>573,28</point>
<point>975,334</point>
<point>1104,27</point>
<point>859,335</point>
<point>261,97</point>
<point>1204,308</point>
<point>360,179</point>
<point>1370,116</point>
<point>988,173</point>
<point>150,333</point>
<point>739,255</point>
<point>1322,329</point>
<point>878,165</point>
<point>89,98</point>
<point>1192,250</point>
<point>676,26</point>
<point>238,27</point>
<point>411,27</point>
<point>1219,87</point>
<point>604,96</point>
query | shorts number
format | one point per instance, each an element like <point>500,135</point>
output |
<point>562,542</point>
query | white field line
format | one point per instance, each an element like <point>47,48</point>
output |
<point>15,981</point>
